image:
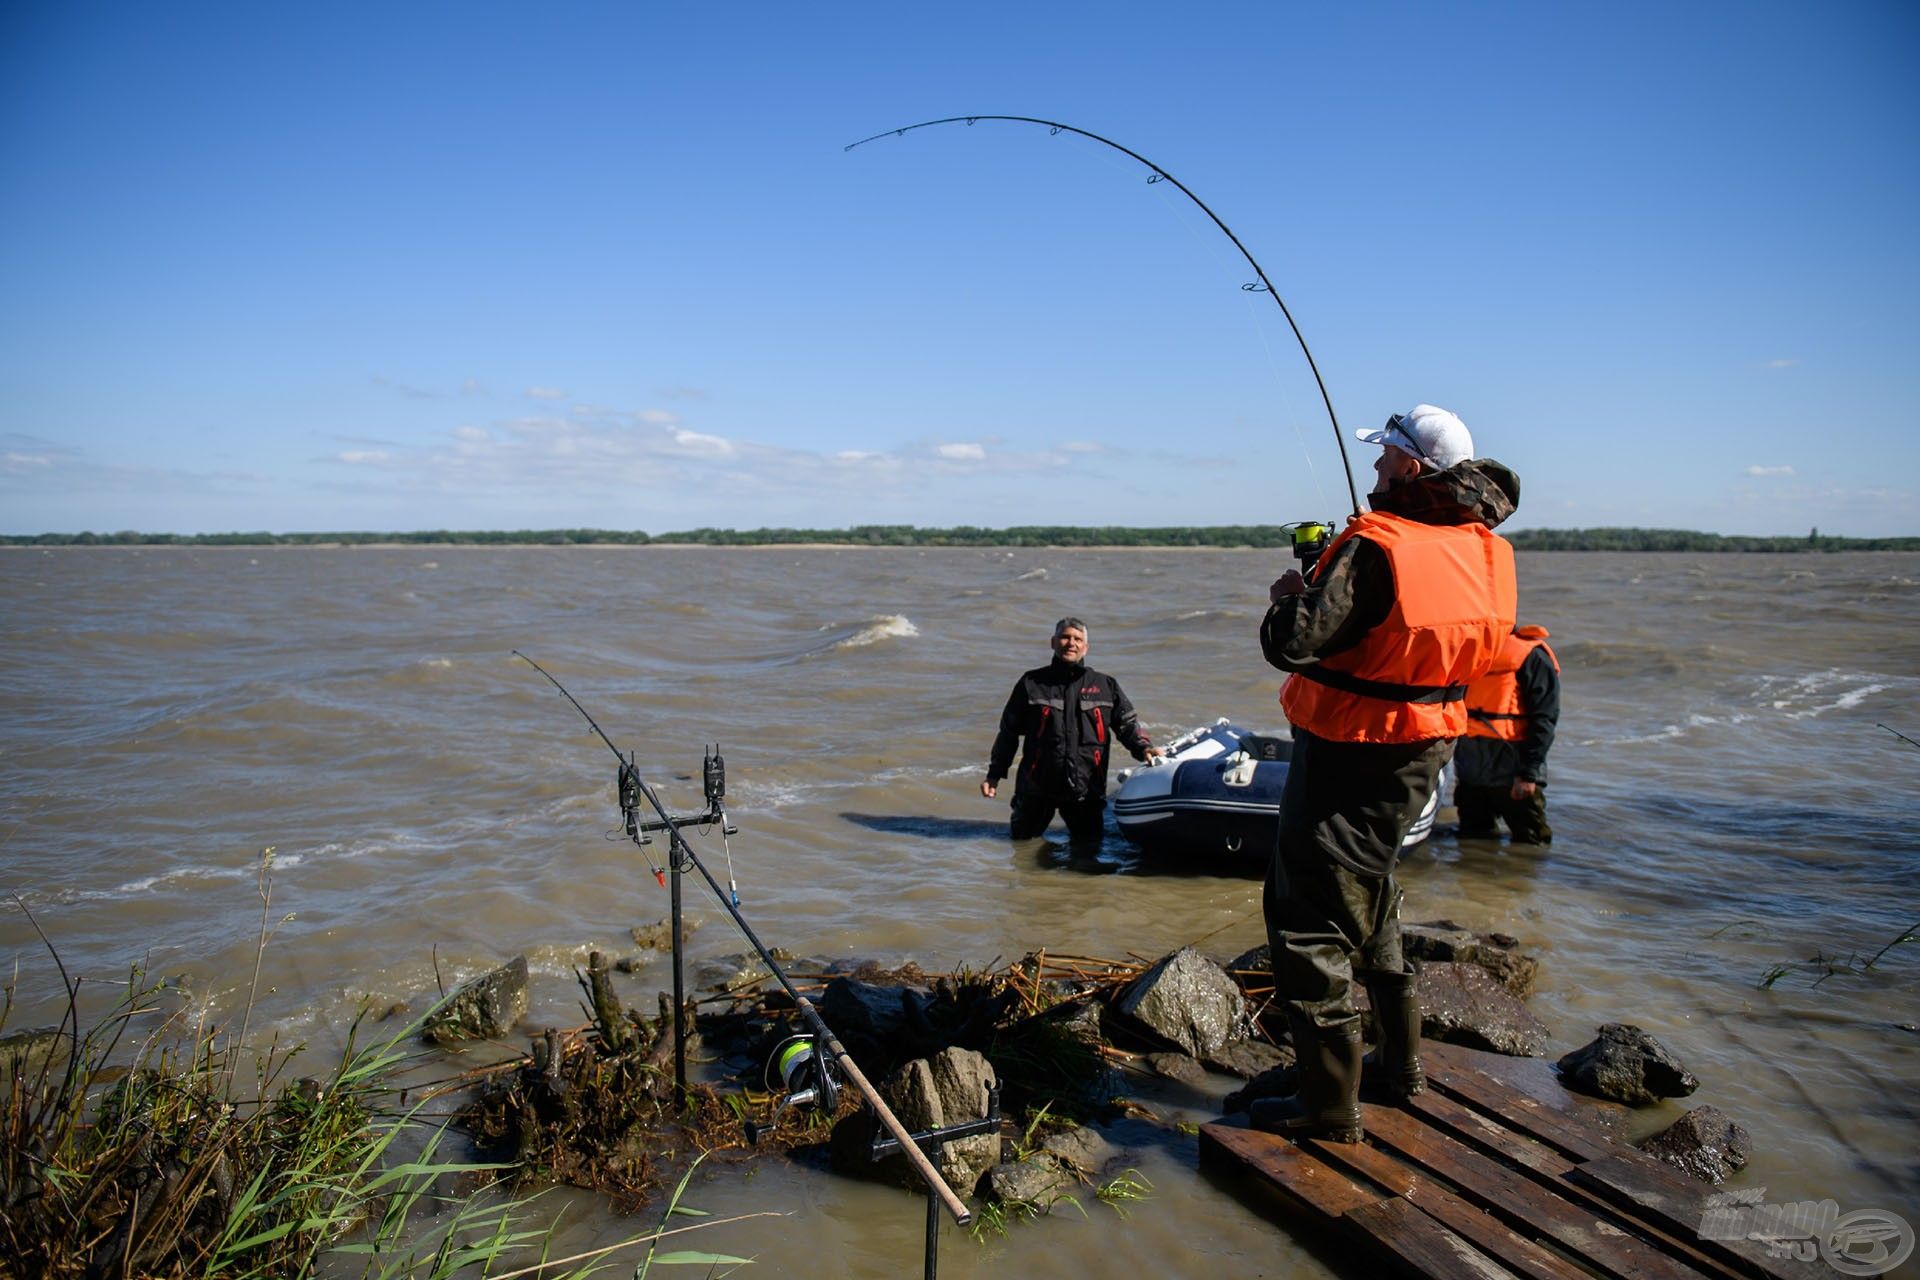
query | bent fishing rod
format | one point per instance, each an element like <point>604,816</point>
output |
<point>1161,175</point>
<point>682,856</point>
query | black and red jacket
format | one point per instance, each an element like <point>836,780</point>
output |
<point>1065,717</point>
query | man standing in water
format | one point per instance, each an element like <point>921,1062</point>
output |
<point>1064,717</point>
<point>1501,765</point>
<point>1405,609</point>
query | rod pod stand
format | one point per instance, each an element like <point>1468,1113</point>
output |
<point>713,774</point>
<point>632,787</point>
<point>932,1142</point>
<point>682,857</point>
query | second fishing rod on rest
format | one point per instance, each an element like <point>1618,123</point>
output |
<point>681,857</point>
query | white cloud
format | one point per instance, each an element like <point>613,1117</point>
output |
<point>658,417</point>
<point>546,393</point>
<point>964,452</point>
<point>1084,446</point>
<point>363,457</point>
<point>1787,362</point>
<point>1769,471</point>
<point>699,445</point>
<point>21,461</point>
<point>473,435</point>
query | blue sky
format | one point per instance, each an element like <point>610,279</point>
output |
<point>486,266</point>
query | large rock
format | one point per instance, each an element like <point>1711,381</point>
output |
<point>485,1008</point>
<point>1498,953</point>
<point>1627,1065</point>
<point>1187,1000</point>
<point>948,1089</point>
<point>880,1025</point>
<point>1464,1004</point>
<point>1704,1143</point>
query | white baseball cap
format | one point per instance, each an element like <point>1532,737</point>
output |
<point>1429,433</point>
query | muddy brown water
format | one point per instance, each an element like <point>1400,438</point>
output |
<point>1723,800</point>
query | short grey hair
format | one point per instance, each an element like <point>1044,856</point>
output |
<point>1073,622</point>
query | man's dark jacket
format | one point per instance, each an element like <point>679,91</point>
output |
<point>1065,717</point>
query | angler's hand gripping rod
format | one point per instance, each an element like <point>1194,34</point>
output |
<point>1265,286</point>
<point>680,850</point>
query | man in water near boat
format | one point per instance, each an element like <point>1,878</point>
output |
<point>1404,610</point>
<point>1500,767</point>
<point>1063,716</point>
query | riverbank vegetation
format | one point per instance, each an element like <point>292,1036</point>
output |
<point>144,1140</point>
<point>903,535</point>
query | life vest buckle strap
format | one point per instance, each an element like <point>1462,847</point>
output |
<point>1386,691</point>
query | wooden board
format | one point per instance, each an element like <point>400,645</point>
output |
<point>1488,1175</point>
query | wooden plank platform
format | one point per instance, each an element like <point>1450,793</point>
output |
<point>1481,1178</point>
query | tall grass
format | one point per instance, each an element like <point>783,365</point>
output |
<point>134,1145</point>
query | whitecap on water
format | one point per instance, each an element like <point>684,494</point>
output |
<point>892,626</point>
<point>1031,574</point>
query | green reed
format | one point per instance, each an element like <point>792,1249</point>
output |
<point>129,1148</point>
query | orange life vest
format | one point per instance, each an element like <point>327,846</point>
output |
<point>1493,701</point>
<point>1454,601</point>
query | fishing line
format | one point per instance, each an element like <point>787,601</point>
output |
<point>1209,247</point>
<point>1159,175</point>
<point>629,777</point>
<point>683,858</point>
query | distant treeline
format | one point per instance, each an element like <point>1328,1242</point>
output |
<point>906,535</point>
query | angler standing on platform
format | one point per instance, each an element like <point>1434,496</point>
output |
<point>1064,717</point>
<point>1500,767</point>
<point>1406,608</point>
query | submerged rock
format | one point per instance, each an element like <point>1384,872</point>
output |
<point>739,970</point>
<point>1177,1066</point>
<point>1275,1082</point>
<point>25,1055</point>
<point>1039,1182</point>
<point>1464,1004</point>
<point>1248,1058</point>
<point>1188,1000</point>
<point>484,1008</point>
<point>1704,1143</point>
<point>1627,1065</point>
<point>658,936</point>
<point>1082,1147</point>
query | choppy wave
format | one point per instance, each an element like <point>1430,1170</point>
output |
<point>891,626</point>
<point>1819,692</point>
<point>1652,659</point>
<point>1030,575</point>
<point>1769,699</point>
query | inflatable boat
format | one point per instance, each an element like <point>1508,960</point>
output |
<point>1216,795</point>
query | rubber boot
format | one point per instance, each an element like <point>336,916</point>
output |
<point>1326,1100</point>
<point>1394,1068</point>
